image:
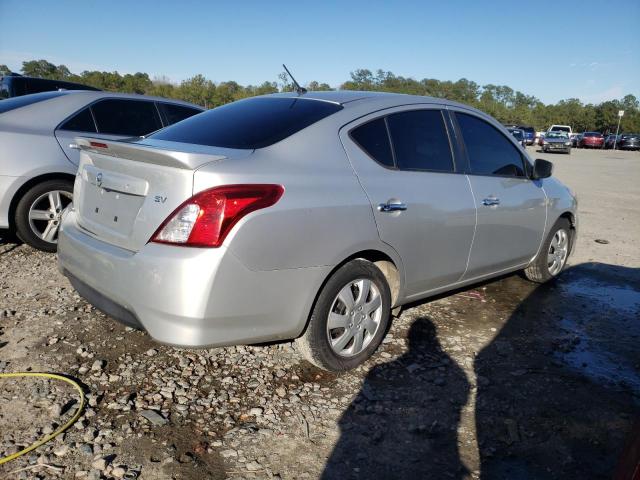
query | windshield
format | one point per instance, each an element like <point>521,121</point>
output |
<point>248,124</point>
<point>592,134</point>
<point>19,102</point>
<point>554,134</point>
<point>560,129</point>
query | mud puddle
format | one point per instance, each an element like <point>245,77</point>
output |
<point>602,328</point>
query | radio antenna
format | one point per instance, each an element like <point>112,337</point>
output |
<point>299,89</point>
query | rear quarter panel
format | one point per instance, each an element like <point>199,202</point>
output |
<point>324,215</point>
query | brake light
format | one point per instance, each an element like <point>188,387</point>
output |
<point>206,218</point>
<point>98,145</point>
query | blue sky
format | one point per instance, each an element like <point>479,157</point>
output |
<point>553,50</point>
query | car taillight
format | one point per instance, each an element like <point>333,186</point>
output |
<point>206,218</point>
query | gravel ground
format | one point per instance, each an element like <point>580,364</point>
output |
<point>502,380</point>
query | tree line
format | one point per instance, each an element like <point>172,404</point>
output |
<point>502,102</point>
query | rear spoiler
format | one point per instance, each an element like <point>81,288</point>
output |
<point>145,153</point>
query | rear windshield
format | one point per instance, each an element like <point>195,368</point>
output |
<point>18,102</point>
<point>591,134</point>
<point>248,124</point>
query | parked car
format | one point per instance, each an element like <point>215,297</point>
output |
<point>15,85</point>
<point>307,215</point>
<point>519,136</point>
<point>591,140</point>
<point>611,141</point>
<point>40,157</point>
<point>529,134</point>
<point>561,128</point>
<point>629,141</point>
<point>575,138</point>
<point>556,141</point>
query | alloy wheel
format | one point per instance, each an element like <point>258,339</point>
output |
<point>46,212</point>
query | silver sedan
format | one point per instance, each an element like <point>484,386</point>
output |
<point>310,216</point>
<point>38,157</point>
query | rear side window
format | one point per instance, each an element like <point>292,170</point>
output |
<point>80,122</point>
<point>176,113</point>
<point>25,100</point>
<point>490,152</point>
<point>373,138</point>
<point>249,124</point>
<point>420,141</point>
<point>126,117</point>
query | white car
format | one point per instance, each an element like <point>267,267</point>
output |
<point>561,128</point>
<point>39,157</point>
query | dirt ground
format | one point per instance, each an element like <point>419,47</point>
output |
<point>504,380</point>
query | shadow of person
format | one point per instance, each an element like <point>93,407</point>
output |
<point>559,385</point>
<point>403,423</point>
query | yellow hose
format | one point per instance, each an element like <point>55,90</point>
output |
<point>50,436</point>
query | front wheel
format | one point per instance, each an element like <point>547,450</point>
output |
<point>553,255</point>
<point>349,319</point>
<point>39,212</point>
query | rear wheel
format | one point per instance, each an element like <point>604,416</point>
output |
<point>39,211</point>
<point>553,255</point>
<point>349,319</point>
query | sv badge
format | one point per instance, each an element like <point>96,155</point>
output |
<point>159,199</point>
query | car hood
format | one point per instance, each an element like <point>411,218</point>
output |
<point>556,140</point>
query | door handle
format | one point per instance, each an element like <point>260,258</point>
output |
<point>74,146</point>
<point>491,201</point>
<point>392,207</point>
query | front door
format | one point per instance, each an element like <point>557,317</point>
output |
<point>511,206</point>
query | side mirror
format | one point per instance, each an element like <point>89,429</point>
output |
<point>542,169</point>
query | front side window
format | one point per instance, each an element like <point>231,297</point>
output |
<point>126,117</point>
<point>490,152</point>
<point>80,122</point>
<point>373,138</point>
<point>420,141</point>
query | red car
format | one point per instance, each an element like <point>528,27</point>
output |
<point>591,140</point>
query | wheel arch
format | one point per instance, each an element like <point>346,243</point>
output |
<point>32,182</point>
<point>387,265</point>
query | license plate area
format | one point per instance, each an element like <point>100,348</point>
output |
<point>115,211</point>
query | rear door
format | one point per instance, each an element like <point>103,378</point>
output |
<point>511,207</point>
<point>422,203</point>
<point>111,118</point>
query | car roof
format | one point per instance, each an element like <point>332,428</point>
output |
<point>346,97</point>
<point>49,113</point>
<point>95,95</point>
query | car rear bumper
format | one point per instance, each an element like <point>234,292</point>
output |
<point>183,296</point>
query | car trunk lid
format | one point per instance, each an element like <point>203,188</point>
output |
<point>124,191</point>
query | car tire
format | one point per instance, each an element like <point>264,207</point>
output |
<point>322,343</point>
<point>559,243</point>
<point>32,226</point>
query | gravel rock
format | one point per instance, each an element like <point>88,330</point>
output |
<point>154,417</point>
